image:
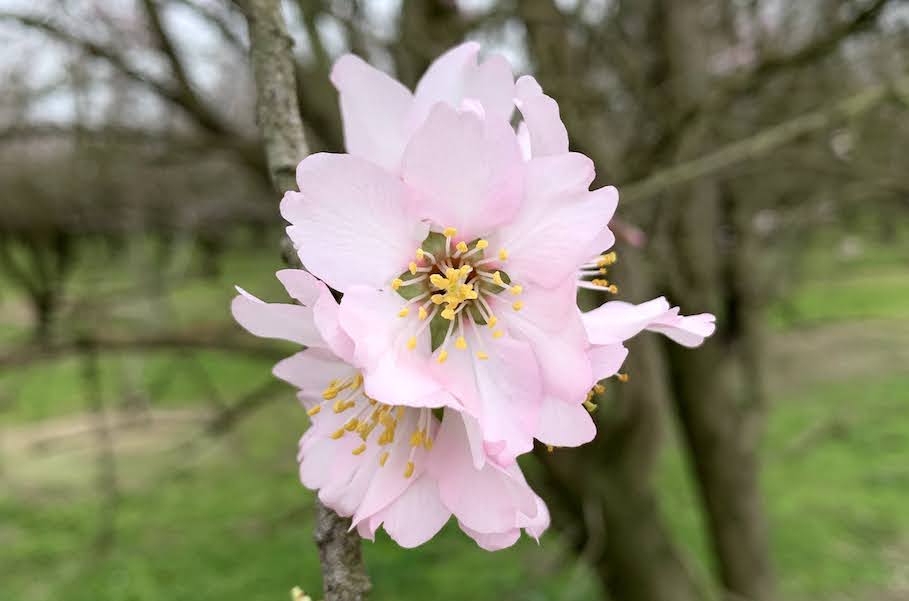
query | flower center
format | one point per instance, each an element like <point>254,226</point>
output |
<point>376,423</point>
<point>454,287</point>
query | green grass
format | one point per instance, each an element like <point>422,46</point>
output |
<point>225,518</point>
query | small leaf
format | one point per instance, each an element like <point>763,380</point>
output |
<point>438,328</point>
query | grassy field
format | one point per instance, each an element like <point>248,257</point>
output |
<point>182,514</point>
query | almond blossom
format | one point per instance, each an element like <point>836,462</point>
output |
<point>456,252</point>
<point>405,468</point>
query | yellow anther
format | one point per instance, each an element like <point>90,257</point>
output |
<point>408,471</point>
<point>482,355</point>
<point>481,244</point>
<point>516,290</point>
<point>503,254</point>
<point>622,377</point>
<point>437,299</point>
<point>416,439</point>
<point>449,232</point>
<point>404,312</point>
<point>359,450</point>
<point>599,388</point>
<point>314,410</point>
<point>329,393</point>
<point>452,274</point>
<point>465,270</point>
<point>412,343</point>
<point>606,260</point>
<point>340,406</point>
<point>517,305</point>
<point>590,406</point>
<point>383,458</point>
<point>600,282</point>
<point>442,356</point>
<point>421,313</point>
<point>427,443</point>
<point>420,253</point>
<point>396,283</point>
<point>352,424</point>
<point>492,321</point>
<point>613,289</point>
<point>337,433</point>
<point>497,278</point>
<point>448,313</point>
<point>549,448</point>
<point>461,246</point>
<point>412,267</point>
<point>498,334</point>
<point>460,343</point>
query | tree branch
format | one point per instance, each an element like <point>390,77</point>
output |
<point>765,142</point>
<point>278,113</point>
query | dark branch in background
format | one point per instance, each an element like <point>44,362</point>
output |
<point>278,114</point>
<point>765,142</point>
<point>247,150</point>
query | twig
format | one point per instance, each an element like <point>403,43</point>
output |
<point>278,115</point>
<point>765,142</point>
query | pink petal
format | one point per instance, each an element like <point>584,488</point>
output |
<point>493,541</point>
<point>311,371</point>
<point>301,285</point>
<point>536,525</point>
<point>353,223</point>
<point>374,110</point>
<point>465,171</point>
<point>456,76</point>
<point>688,331</point>
<point>564,424</point>
<point>548,135</point>
<point>549,321</point>
<point>617,321</point>
<point>275,320</point>
<point>607,360</point>
<point>416,516</point>
<point>486,500</point>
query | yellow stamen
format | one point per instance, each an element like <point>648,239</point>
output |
<point>403,312</point>
<point>606,260</point>
<point>438,281</point>
<point>412,343</point>
<point>449,232</point>
<point>383,458</point>
<point>396,283</point>
<point>421,313</point>
<point>497,278</point>
<point>550,448</point>
<point>352,424</point>
<point>590,406</point>
<point>492,321</point>
<point>460,343</point>
<point>437,299</point>
<point>412,267</point>
<point>420,253</point>
<point>359,450</point>
<point>516,290</point>
<point>599,389</point>
<point>622,377</point>
<point>314,410</point>
<point>481,244</point>
<point>408,471</point>
<point>448,314</point>
<point>427,443</point>
<point>517,305</point>
<point>442,356</point>
<point>498,334</point>
<point>482,355</point>
<point>461,246</point>
<point>337,434</point>
<point>416,439</point>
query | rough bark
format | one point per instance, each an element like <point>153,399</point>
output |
<point>278,115</point>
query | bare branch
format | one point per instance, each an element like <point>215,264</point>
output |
<point>765,142</point>
<point>343,574</point>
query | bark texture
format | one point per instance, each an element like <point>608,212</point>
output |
<point>278,114</point>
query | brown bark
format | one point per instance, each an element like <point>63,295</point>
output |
<point>278,115</point>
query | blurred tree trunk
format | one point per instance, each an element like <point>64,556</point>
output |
<point>717,388</point>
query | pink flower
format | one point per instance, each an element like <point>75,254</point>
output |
<point>455,249</point>
<point>407,469</point>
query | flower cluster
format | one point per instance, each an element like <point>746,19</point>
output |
<point>459,243</point>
